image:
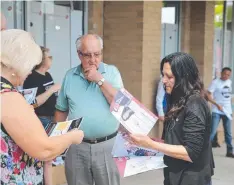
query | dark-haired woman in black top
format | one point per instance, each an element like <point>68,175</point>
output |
<point>186,146</point>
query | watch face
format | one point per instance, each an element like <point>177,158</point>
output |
<point>100,83</point>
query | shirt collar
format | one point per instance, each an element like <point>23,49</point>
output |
<point>101,69</point>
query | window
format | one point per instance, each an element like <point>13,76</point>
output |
<point>170,27</point>
<point>56,25</point>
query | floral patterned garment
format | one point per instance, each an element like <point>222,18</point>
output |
<point>17,168</point>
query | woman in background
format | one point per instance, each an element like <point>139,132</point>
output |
<point>46,89</point>
<point>186,146</point>
<point>24,142</point>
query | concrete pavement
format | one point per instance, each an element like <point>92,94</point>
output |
<point>224,172</point>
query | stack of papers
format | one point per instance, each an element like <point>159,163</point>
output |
<point>29,94</point>
<point>135,165</point>
<point>136,119</point>
<point>131,159</point>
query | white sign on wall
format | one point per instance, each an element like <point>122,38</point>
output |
<point>168,15</point>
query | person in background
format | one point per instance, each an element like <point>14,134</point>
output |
<point>161,101</point>
<point>88,91</point>
<point>45,98</point>
<point>221,90</point>
<point>24,142</point>
<point>46,89</point>
<point>187,147</point>
<point>161,104</point>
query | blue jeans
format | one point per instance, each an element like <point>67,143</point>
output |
<point>227,129</point>
<point>45,121</point>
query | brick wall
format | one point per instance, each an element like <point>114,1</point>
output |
<point>151,57</point>
<point>197,35</point>
<point>185,18</point>
<point>123,29</point>
<point>208,43</point>
<point>95,17</point>
<point>151,50</point>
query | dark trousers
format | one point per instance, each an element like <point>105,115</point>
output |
<point>166,177</point>
<point>215,140</point>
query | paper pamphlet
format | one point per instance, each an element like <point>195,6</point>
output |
<point>129,166</point>
<point>137,119</point>
<point>57,129</point>
<point>132,160</point>
<point>133,115</point>
<point>29,94</point>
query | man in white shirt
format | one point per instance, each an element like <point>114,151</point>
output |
<point>221,90</point>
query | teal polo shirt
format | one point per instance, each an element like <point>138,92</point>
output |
<point>81,98</point>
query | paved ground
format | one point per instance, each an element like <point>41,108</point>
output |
<point>224,172</point>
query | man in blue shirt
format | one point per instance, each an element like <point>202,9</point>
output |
<point>161,104</point>
<point>87,92</point>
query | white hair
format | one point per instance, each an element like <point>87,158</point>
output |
<point>19,51</point>
<point>78,41</point>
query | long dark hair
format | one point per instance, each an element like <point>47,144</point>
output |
<point>187,81</point>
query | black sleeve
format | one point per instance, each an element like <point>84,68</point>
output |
<point>28,83</point>
<point>49,77</point>
<point>195,128</point>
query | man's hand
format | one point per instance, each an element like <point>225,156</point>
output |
<point>220,107</point>
<point>92,74</point>
<point>209,97</point>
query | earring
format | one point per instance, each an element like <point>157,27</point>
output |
<point>13,74</point>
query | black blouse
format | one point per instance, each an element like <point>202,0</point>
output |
<point>190,128</point>
<point>43,83</point>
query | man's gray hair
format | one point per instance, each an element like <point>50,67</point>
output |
<point>78,41</point>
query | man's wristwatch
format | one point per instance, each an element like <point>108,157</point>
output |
<point>100,82</point>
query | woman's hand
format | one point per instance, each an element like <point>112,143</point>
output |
<point>161,118</point>
<point>141,140</point>
<point>55,88</point>
<point>77,136</point>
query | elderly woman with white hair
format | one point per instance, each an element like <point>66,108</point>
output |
<point>24,142</point>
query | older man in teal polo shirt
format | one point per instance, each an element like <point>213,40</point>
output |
<point>87,92</point>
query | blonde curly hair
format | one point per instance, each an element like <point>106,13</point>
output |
<point>19,51</point>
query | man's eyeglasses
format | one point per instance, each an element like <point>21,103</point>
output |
<point>90,55</point>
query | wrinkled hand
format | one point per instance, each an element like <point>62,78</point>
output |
<point>141,140</point>
<point>220,107</point>
<point>55,88</point>
<point>92,74</point>
<point>78,136</point>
